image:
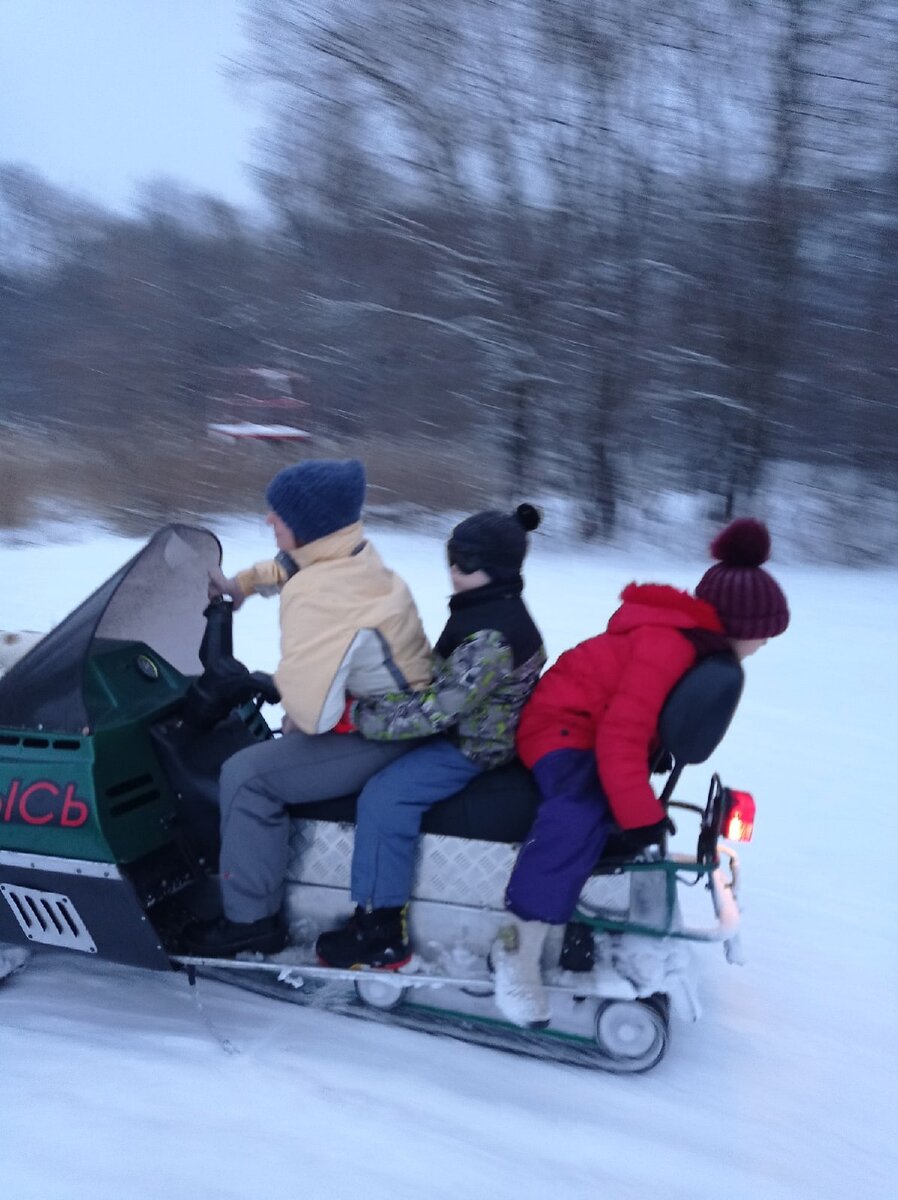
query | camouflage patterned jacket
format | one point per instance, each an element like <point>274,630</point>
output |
<point>486,664</point>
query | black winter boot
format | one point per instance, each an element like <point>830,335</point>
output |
<point>376,938</point>
<point>221,938</point>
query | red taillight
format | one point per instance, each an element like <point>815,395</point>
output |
<point>740,819</point>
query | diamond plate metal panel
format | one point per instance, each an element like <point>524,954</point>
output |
<point>460,871</point>
<point>607,894</point>
<point>449,870</point>
<point>320,853</point>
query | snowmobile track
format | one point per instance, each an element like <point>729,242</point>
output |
<point>332,996</point>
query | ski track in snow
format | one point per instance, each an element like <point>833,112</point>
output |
<point>114,1087</point>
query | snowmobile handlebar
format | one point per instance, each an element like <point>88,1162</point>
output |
<point>225,682</point>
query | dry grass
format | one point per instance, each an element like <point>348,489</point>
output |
<point>144,482</point>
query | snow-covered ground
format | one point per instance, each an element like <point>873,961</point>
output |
<point>113,1087</point>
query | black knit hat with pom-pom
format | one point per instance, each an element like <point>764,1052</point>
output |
<point>493,541</point>
<point>748,600</point>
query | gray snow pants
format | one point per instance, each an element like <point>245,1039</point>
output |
<point>256,786</point>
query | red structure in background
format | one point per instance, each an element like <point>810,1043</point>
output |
<point>256,395</point>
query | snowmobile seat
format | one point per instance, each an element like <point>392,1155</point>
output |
<point>497,806</point>
<point>698,711</point>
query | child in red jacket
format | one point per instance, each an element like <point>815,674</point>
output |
<point>588,732</point>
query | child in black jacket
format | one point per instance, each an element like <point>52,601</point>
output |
<point>487,661</point>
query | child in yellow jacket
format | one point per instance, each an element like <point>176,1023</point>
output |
<point>348,624</point>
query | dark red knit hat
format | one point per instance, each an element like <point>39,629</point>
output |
<point>748,600</point>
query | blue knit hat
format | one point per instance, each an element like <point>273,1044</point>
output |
<point>316,498</point>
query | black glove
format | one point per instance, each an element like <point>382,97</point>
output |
<point>631,841</point>
<point>265,687</point>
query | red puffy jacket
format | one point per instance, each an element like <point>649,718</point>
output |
<point>607,693</point>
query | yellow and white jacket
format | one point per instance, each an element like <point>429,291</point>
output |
<point>348,624</point>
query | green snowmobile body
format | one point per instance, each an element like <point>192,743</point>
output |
<point>104,726</point>
<point>97,795</point>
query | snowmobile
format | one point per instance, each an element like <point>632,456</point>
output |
<point>113,728</point>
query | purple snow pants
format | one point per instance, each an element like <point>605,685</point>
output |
<point>567,838</point>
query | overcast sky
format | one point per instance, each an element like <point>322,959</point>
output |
<point>99,94</point>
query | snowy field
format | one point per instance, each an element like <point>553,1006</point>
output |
<point>113,1087</point>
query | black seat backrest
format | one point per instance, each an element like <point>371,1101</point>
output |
<point>698,711</point>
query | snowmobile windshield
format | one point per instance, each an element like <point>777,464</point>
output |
<point>158,597</point>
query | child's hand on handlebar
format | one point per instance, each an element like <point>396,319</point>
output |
<point>221,585</point>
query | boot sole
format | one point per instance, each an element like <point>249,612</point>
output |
<point>363,966</point>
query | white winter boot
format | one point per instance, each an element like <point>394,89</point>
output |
<point>515,955</point>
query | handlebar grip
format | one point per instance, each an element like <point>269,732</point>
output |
<point>266,688</point>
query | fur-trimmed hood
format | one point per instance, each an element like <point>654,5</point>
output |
<point>661,604</point>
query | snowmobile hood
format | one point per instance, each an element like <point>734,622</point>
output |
<point>157,597</point>
<point>660,604</point>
